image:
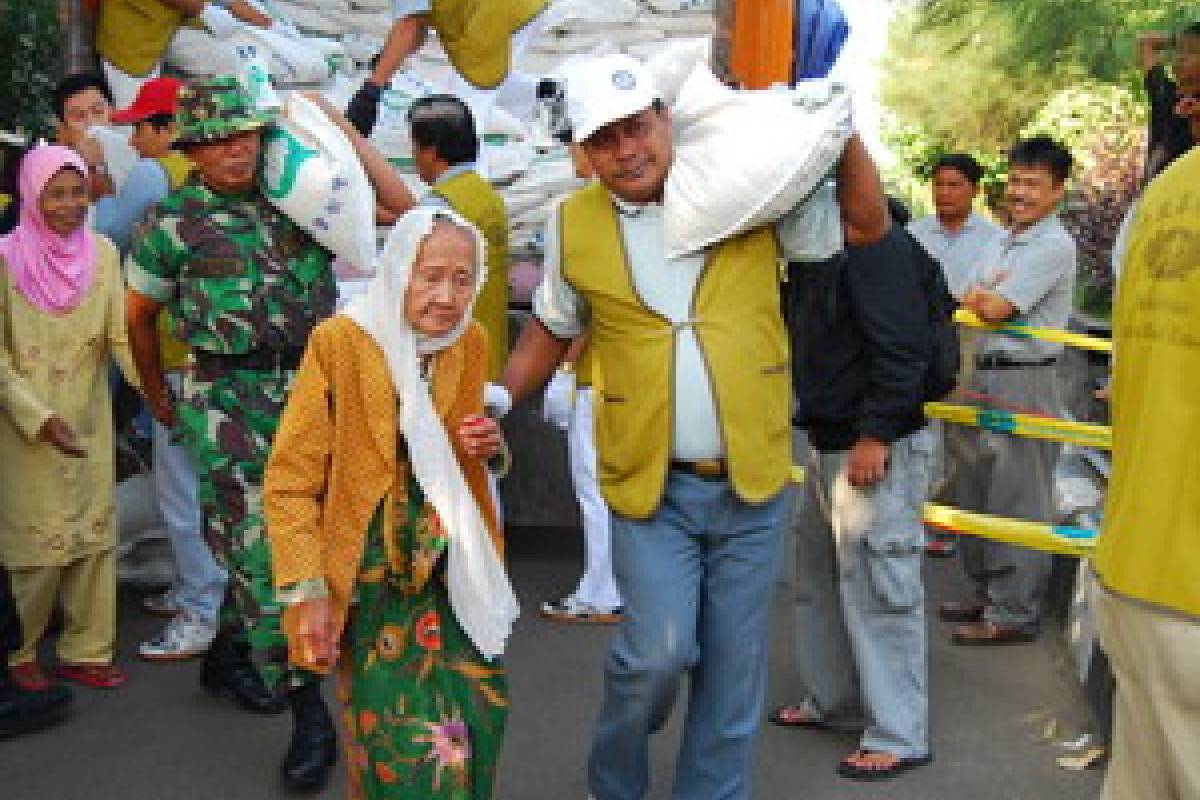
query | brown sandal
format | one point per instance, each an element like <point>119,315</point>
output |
<point>857,771</point>
<point>796,716</point>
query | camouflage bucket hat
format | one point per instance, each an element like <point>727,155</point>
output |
<point>216,109</point>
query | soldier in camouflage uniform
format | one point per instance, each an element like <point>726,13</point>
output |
<point>245,286</point>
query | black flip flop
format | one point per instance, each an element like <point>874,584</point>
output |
<point>848,770</point>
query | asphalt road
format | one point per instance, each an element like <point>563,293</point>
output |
<point>996,714</point>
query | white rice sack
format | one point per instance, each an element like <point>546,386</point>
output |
<point>198,52</point>
<point>390,135</point>
<point>119,154</point>
<point>572,12</point>
<point>507,160</point>
<point>745,158</point>
<point>366,23</point>
<point>253,71</point>
<point>312,174</point>
<point>584,38</point>
<point>678,6</point>
<point>360,47</point>
<point>312,20</point>
<point>292,59</point>
<point>682,24</point>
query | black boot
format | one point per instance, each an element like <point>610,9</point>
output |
<point>227,668</point>
<point>313,750</point>
<point>23,711</point>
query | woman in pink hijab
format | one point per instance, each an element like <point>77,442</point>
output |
<point>61,320</point>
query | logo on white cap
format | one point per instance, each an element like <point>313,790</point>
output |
<point>624,80</point>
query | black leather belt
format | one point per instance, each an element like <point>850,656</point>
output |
<point>258,360</point>
<point>997,361</point>
<point>710,469</point>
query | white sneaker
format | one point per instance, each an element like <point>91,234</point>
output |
<point>570,609</point>
<point>163,604</point>
<point>184,637</point>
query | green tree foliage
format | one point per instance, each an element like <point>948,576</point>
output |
<point>1096,36</point>
<point>30,64</point>
<point>974,75</point>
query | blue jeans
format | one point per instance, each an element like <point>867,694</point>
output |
<point>200,585</point>
<point>696,579</point>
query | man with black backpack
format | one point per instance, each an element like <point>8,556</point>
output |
<point>872,341</point>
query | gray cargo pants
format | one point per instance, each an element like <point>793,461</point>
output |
<point>860,600</point>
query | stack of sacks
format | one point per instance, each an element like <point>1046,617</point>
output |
<point>293,58</point>
<point>532,197</point>
<point>507,141</point>
<point>321,17</point>
<point>370,17</point>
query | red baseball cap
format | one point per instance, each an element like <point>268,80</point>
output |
<point>157,96</point>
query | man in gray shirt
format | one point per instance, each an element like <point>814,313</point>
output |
<point>956,235</point>
<point>1026,276</point>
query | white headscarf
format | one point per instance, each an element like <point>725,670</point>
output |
<point>480,593</point>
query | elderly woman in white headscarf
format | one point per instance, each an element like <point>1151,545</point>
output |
<point>384,540</point>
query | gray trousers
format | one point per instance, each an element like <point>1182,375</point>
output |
<point>1008,476</point>
<point>860,600</point>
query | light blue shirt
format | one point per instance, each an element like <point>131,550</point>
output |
<point>1035,271</point>
<point>118,215</point>
<point>958,251</point>
<point>667,286</point>
<point>409,8</point>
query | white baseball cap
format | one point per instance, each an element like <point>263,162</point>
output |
<point>605,89</point>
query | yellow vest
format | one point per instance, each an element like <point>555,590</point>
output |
<point>476,201</point>
<point>1150,548</point>
<point>585,369</point>
<point>736,316</point>
<point>173,353</point>
<point>132,35</point>
<point>476,35</point>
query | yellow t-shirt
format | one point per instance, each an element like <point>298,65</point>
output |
<point>1150,548</point>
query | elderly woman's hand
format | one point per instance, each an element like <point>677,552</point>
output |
<point>314,627</point>
<point>480,437</point>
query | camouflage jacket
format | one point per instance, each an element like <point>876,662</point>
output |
<point>235,273</point>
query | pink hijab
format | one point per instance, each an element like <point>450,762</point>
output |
<point>52,271</point>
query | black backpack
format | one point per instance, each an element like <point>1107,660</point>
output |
<point>812,293</point>
<point>945,360</point>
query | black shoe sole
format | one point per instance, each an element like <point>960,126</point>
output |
<point>314,785</point>
<point>32,723</point>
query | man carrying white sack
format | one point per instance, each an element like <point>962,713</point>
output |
<point>482,38</point>
<point>693,430</point>
<point>133,35</point>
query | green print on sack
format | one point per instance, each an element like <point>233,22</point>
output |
<point>295,153</point>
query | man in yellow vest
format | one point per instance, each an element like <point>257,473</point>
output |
<point>693,432</point>
<point>445,149</point>
<point>133,35</point>
<point>481,38</point>
<point>1148,558</point>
